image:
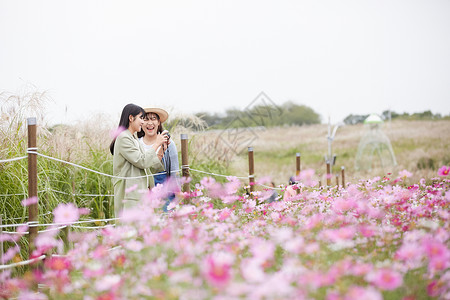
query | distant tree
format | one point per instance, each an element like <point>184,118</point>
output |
<point>423,115</point>
<point>262,115</point>
<point>355,119</point>
<point>294,114</point>
<point>389,113</point>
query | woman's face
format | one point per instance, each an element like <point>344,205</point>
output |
<point>151,124</point>
<point>136,123</point>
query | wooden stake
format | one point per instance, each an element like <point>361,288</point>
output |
<point>185,160</point>
<point>328,173</point>
<point>251,169</point>
<point>343,176</point>
<point>32,183</point>
<point>297,164</point>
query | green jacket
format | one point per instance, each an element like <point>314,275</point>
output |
<point>131,160</point>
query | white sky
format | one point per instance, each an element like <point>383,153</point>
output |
<point>337,57</point>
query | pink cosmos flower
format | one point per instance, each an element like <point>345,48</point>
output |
<point>22,229</point>
<point>165,234</point>
<point>29,201</point>
<point>100,252</point>
<point>46,241</point>
<point>66,213</point>
<point>184,180</point>
<point>7,238</point>
<point>93,269</point>
<point>367,230</point>
<point>217,269</point>
<point>444,171</point>
<point>340,234</point>
<point>232,185</point>
<point>224,214</point>
<point>84,211</point>
<point>313,221</point>
<point>367,293</point>
<point>29,295</point>
<point>434,289</point>
<point>263,180</point>
<point>386,279</point>
<point>410,253</point>
<point>185,210</point>
<point>306,176</point>
<point>228,199</point>
<point>116,132</point>
<point>107,296</point>
<point>438,264</point>
<point>294,245</point>
<point>134,245</point>
<point>10,253</point>
<point>107,283</point>
<point>58,263</point>
<point>252,270</point>
<point>262,249</point>
<point>435,249</point>
<point>133,214</point>
<point>404,174</point>
<point>343,205</point>
<point>360,269</point>
<point>131,188</point>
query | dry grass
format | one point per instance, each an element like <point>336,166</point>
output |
<point>77,141</point>
<point>412,141</point>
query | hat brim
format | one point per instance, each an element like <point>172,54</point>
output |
<point>163,115</point>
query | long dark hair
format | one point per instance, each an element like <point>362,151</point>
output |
<point>129,109</point>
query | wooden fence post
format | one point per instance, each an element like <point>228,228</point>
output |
<point>297,164</point>
<point>185,160</point>
<point>32,183</point>
<point>343,176</point>
<point>328,174</point>
<point>251,169</point>
<point>337,181</point>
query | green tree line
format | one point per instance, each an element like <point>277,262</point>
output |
<point>288,113</point>
<point>392,115</point>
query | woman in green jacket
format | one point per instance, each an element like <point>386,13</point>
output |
<point>131,160</point>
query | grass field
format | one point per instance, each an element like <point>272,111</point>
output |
<point>420,147</point>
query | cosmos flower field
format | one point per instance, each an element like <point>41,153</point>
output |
<point>382,238</point>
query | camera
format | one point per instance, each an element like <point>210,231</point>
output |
<point>165,132</point>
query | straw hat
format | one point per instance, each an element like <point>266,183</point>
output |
<point>163,115</point>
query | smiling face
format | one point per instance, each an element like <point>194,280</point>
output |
<point>135,123</point>
<point>151,124</point>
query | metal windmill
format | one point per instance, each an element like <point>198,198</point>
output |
<point>374,147</point>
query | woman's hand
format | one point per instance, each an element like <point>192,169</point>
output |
<point>161,139</point>
<point>161,143</point>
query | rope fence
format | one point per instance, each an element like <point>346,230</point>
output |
<point>22,263</point>
<point>37,224</point>
<point>12,159</point>
<point>33,151</point>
